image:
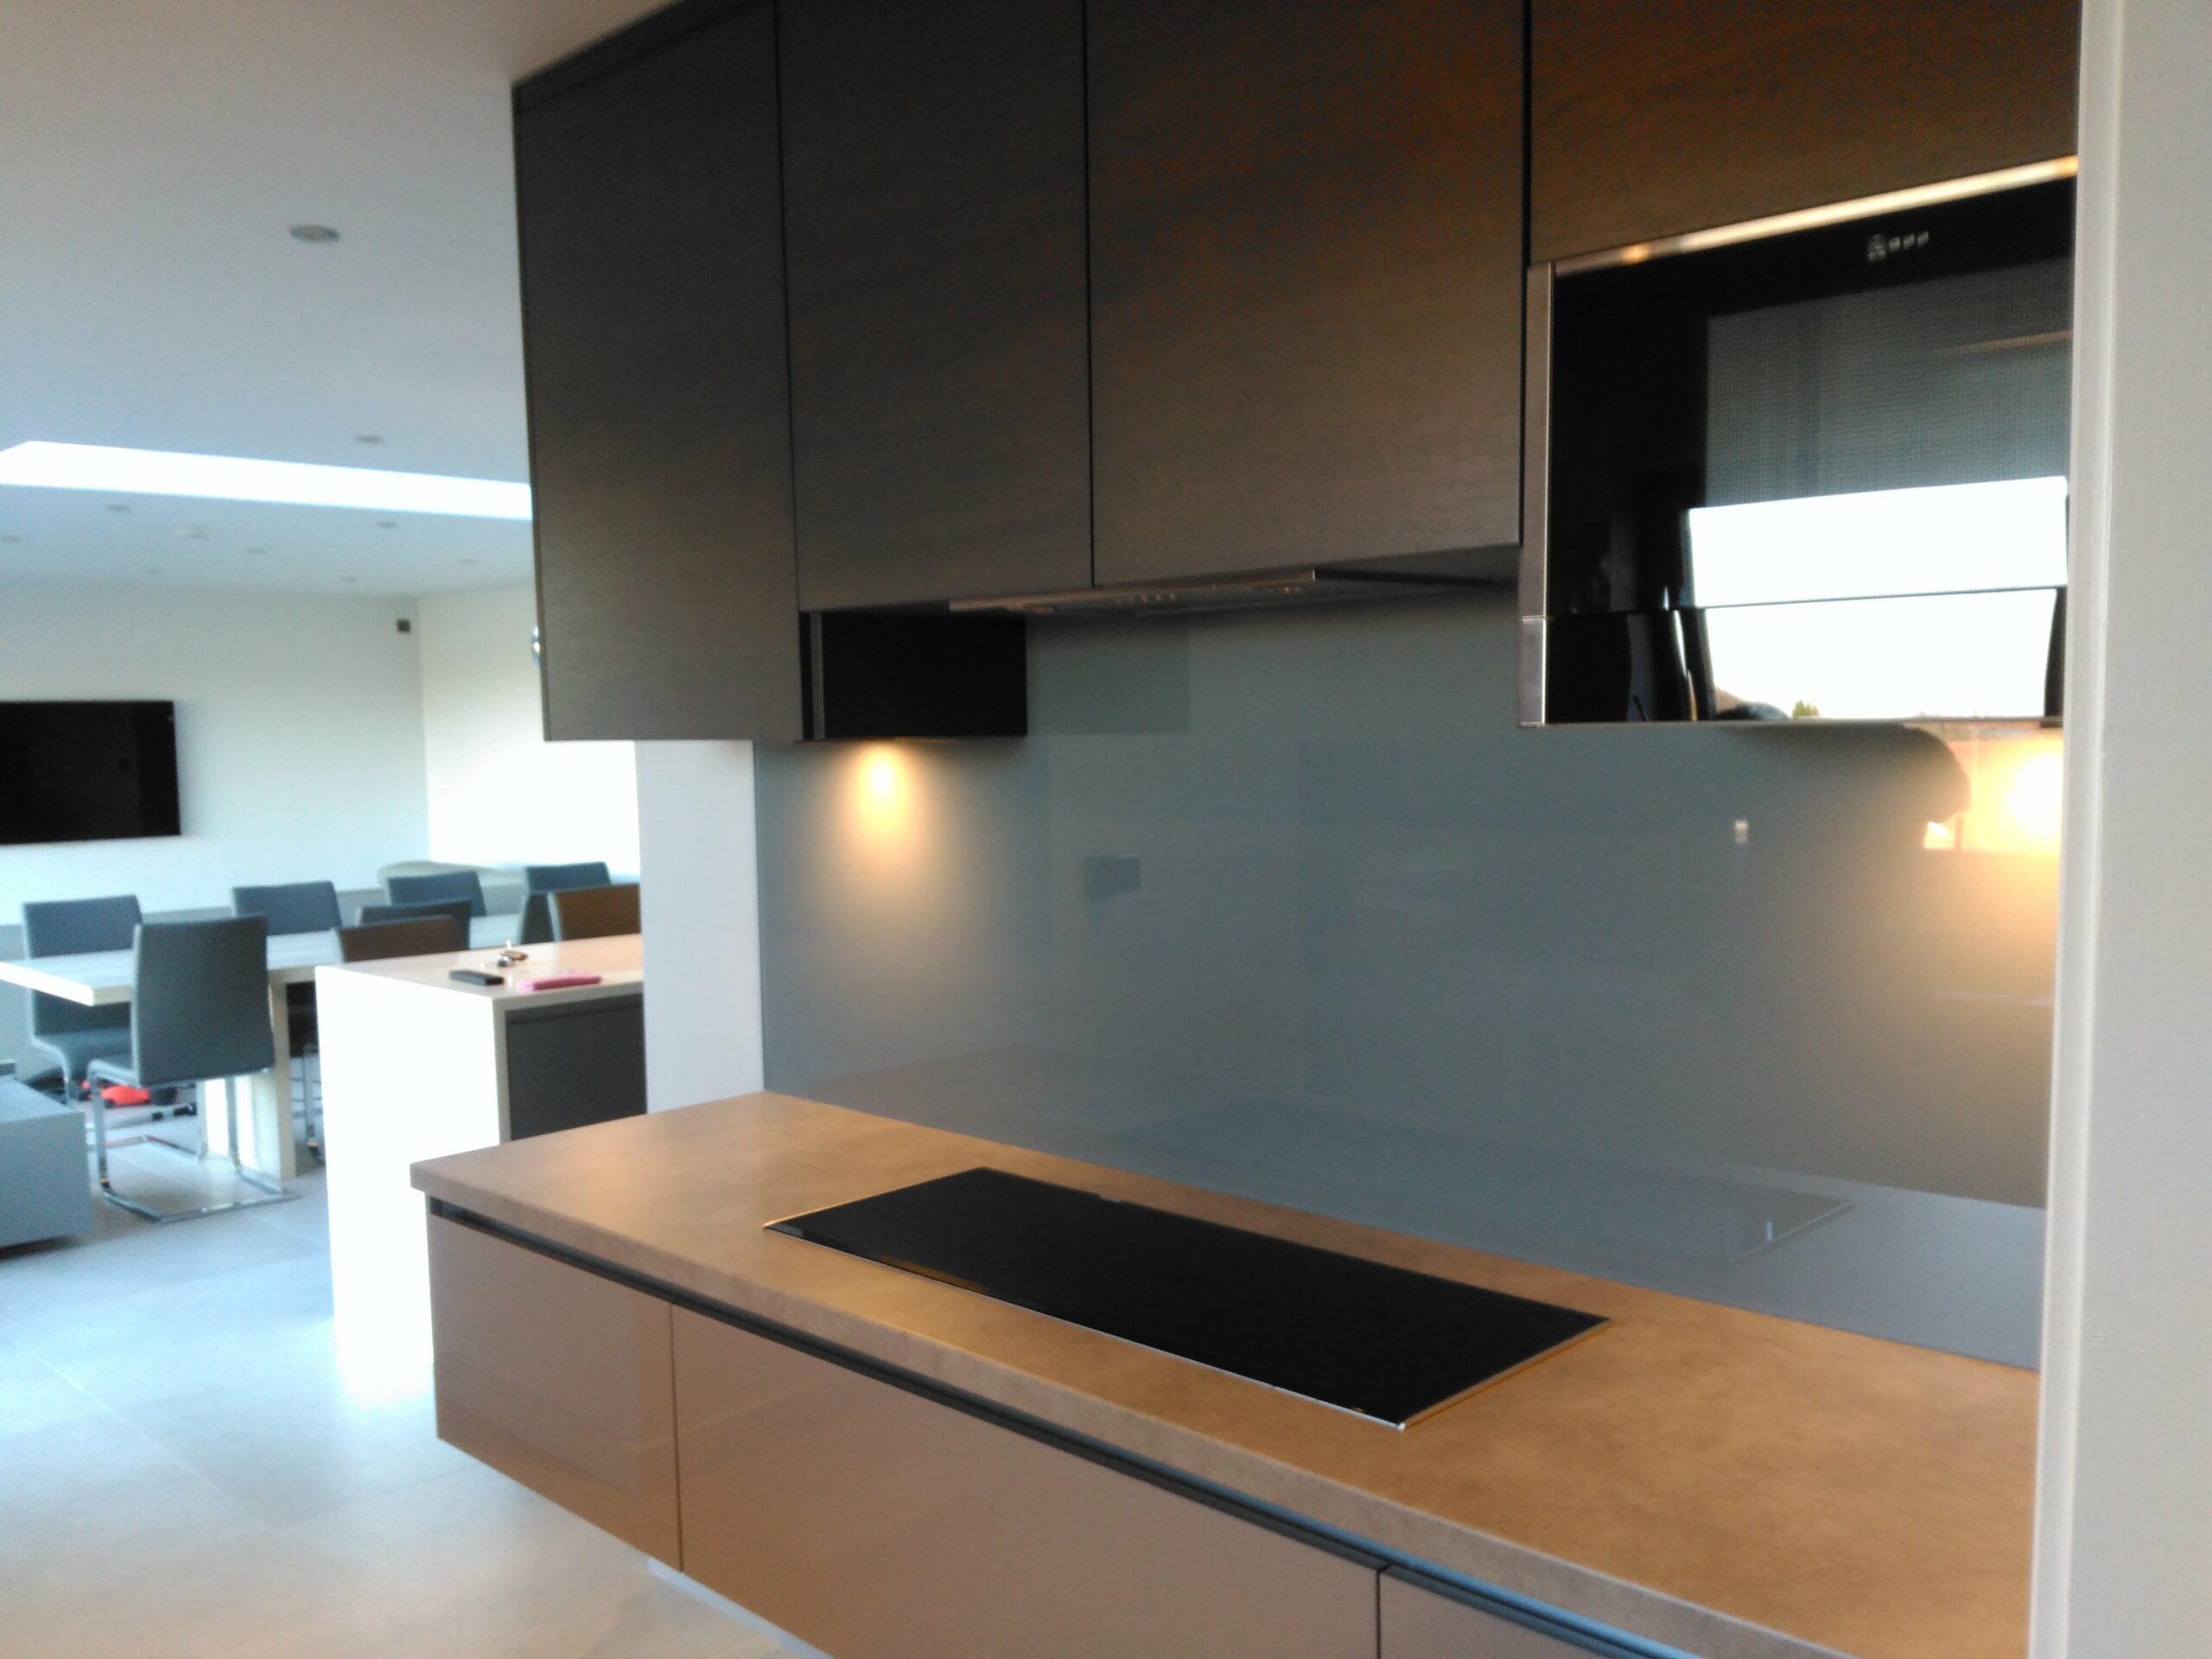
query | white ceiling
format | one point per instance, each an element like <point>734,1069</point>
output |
<point>152,156</point>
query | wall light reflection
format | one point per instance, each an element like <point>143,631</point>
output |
<point>2019,795</point>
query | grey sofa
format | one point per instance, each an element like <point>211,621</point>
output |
<point>45,1191</point>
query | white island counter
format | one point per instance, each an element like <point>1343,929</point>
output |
<point>416,1065</point>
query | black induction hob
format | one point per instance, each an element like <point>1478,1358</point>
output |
<point>1380,1341</point>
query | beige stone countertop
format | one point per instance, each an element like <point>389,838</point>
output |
<point>1733,1484</point>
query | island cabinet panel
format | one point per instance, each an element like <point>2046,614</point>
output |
<point>559,1378</point>
<point>876,1523</point>
<point>568,1066</point>
<point>648,198</point>
<point>1306,282</point>
<point>1418,1621</point>
<point>933,165</point>
<point>1650,117</point>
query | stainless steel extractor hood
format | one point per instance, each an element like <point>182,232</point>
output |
<point>1302,587</point>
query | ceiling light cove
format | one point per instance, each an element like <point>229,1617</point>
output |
<point>234,478</point>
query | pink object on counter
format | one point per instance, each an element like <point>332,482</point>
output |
<point>556,981</point>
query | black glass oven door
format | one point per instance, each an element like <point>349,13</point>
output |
<point>1816,474</point>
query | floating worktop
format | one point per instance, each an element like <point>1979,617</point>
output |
<point>1729,1483</point>
<point>618,962</point>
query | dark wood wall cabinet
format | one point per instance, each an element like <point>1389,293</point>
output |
<point>1651,117</point>
<point>650,185</point>
<point>838,309</point>
<point>1306,282</point>
<point>649,196</point>
<point>934,167</point>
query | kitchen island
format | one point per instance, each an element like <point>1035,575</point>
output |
<point>416,1064</point>
<point>863,1450</point>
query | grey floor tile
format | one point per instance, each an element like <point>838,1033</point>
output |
<point>296,1442</point>
<point>124,1254</point>
<point>260,1596</point>
<point>83,1495</point>
<point>33,1395</point>
<point>136,1347</point>
<point>190,1467</point>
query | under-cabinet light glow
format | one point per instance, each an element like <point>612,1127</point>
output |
<point>881,794</point>
<point>236,477</point>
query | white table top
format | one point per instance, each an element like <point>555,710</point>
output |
<point>102,978</point>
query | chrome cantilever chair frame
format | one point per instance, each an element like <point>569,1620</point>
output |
<point>298,907</point>
<point>199,1012</point>
<point>266,1190</point>
<point>75,1035</point>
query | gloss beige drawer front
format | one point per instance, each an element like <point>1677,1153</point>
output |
<point>1419,1624</point>
<point>559,1378</point>
<point>877,1524</point>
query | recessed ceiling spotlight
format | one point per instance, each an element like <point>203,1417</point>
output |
<point>387,524</point>
<point>11,540</point>
<point>256,551</point>
<point>313,234</point>
<point>153,570</point>
<point>368,437</point>
<point>191,533</point>
<point>119,507</point>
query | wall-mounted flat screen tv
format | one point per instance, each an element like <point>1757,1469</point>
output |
<point>87,772</point>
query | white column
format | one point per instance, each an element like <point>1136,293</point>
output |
<point>2124,1546</point>
<point>702,922</point>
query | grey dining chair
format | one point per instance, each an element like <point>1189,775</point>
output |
<point>445,884</point>
<point>536,925</point>
<point>73,1035</point>
<point>291,906</point>
<point>413,935</point>
<point>199,1011</point>
<point>298,907</point>
<point>595,913</point>
<point>555,878</point>
<point>456,908</point>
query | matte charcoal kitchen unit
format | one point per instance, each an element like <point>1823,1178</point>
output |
<point>1378,1341</point>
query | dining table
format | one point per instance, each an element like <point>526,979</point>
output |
<point>267,1138</point>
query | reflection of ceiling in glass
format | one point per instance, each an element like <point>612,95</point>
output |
<point>1948,538</point>
<point>1932,657</point>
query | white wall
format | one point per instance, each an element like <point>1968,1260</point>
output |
<point>702,922</point>
<point>298,735</point>
<point>2124,1546</point>
<point>499,792</point>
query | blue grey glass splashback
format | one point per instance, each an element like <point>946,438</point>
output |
<point>1285,904</point>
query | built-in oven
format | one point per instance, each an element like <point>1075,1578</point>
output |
<point>1812,467</point>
